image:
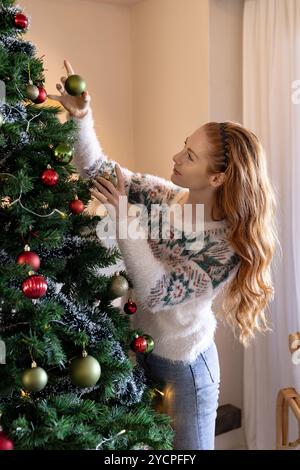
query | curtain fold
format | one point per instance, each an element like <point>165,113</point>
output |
<point>271,67</point>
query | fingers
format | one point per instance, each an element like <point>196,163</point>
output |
<point>86,97</point>
<point>69,67</point>
<point>120,178</point>
<point>103,190</point>
<point>54,97</point>
<point>61,89</point>
<point>109,207</point>
<point>61,86</point>
<point>98,195</point>
<point>107,184</point>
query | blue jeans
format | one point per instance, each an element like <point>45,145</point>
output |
<point>191,393</point>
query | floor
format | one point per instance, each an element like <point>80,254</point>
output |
<point>232,440</point>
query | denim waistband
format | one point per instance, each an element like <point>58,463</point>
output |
<point>164,360</point>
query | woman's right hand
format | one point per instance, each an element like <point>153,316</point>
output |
<point>76,105</point>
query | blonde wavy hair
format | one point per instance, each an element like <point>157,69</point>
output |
<point>246,198</point>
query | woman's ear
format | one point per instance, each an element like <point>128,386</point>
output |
<point>217,179</point>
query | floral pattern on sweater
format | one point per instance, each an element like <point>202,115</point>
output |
<point>182,275</point>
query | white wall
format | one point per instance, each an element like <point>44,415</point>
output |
<point>170,78</point>
<point>225,60</point>
<point>146,67</point>
<point>95,37</point>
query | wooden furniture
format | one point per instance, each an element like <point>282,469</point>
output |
<point>288,399</point>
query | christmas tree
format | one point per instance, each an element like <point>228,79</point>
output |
<point>67,380</point>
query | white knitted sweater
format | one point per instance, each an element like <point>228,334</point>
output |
<point>173,287</point>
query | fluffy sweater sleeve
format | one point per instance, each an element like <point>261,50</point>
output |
<point>90,161</point>
<point>161,284</point>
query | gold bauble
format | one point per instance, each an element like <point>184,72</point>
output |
<point>85,371</point>
<point>32,92</point>
<point>118,286</point>
<point>75,85</point>
<point>34,379</point>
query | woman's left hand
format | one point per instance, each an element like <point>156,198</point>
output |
<point>107,193</point>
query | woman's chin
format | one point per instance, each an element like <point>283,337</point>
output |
<point>174,175</point>
<point>175,179</point>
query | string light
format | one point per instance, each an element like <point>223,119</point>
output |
<point>18,200</point>
<point>110,439</point>
<point>24,394</point>
<point>28,122</point>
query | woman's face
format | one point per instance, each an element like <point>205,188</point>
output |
<point>192,162</point>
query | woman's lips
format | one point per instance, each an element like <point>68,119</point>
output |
<point>176,172</point>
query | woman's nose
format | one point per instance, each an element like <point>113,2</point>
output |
<point>178,157</point>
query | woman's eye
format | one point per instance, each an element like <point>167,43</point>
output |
<point>190,157</point>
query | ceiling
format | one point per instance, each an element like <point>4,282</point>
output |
<point>119,2</point>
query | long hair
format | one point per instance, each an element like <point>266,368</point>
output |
<point>247,200</point>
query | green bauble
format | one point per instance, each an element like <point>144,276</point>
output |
<point>85,371</point>
<point>141,446</point>
<point>2,119</point>
<point>119,286</point>
<point>63,153</point>
<point>32,92</point>
<point>34,379</point>
<point>150,343</point>
<point>75,85</point>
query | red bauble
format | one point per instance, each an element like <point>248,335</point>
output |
<point>139,344</point>
<point>76,206</point>
<point>5,442</point>
<point>42,95</point>
<point>34,286</point>
<point>130,307</point>
<point>29,257</point>
<point>20,21</point>
<point>49,177</point>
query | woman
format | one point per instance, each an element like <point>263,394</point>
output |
<point>222,167</point>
